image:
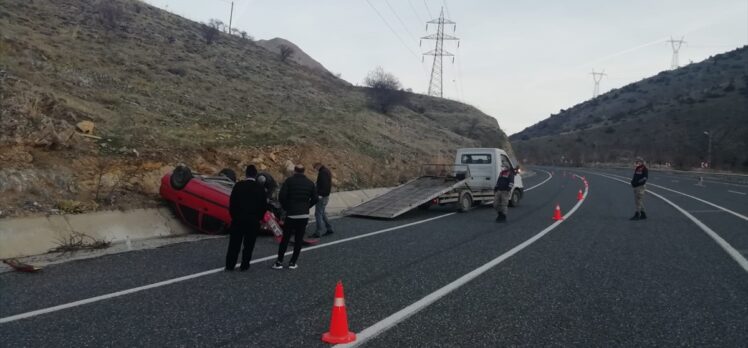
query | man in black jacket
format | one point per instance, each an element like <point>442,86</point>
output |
<point>296,196</point>
<point>502,191</point>
<point>247,205</point>
<point>324,186</point>
<point>639,183</point>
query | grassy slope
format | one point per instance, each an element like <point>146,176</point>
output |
<point>662,118</point>
<point>159,94</point>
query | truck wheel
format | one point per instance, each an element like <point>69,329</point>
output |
<point>465,202</point>
<point>180,177</point>
<point>514,200</point>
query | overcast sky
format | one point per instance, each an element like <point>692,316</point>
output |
<point>518,61</point>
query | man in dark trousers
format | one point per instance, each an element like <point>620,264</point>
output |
<point>639,183</point>
<point>502,191</point>
<point>247,205</point>
<point>324,186</point>
<point>296,196</point>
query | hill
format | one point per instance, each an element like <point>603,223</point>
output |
<point>299,56</point>
<point>160,89</point>
<point>662,118</point>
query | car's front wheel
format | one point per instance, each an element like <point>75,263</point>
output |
<point>180,177</point>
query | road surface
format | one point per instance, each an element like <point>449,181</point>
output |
<point>429,279</point>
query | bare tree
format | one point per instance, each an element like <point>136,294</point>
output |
<point>286,52</point>
<point>211,31</point>
<point>384,90</point>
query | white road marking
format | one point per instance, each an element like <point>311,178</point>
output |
<point>705,211</point>
<point>209,272</point>
<point>543,182</point>
<point>736,255</point>
<point>687,195</point>
<point>196,275</point>
<point>403,314</point>
<point>737,192</point>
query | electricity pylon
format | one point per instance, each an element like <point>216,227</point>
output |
<point>435,83</point>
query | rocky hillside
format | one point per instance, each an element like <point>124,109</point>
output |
<point>160,89</point>
<point>299,56</point>
<point>662,118</point>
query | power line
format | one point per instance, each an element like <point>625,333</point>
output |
<point>391,29</point>
<point>427,9</point>
<point>414,11</point>
<point>400,20</point>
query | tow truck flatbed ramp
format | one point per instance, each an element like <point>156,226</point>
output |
<point>405,197</point>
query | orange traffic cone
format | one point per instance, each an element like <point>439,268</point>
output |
<point>339,323</point>
<point>557,214</point>
<point>580,195</point>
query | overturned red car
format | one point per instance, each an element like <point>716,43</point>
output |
<point>202,201</point>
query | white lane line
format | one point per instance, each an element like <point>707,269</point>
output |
<point>736,255</point>
<point>196,275</point>
<point>737,192</point>
<point>543,182</point>
<point>213,271</point>
<point>403,314</point>
<point>689,196</point>
<point>705,211</point>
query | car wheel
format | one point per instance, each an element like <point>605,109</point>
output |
<point>514,200</point>
<point>465,202</point>
<point>229,173</point>
<point>180,177</point>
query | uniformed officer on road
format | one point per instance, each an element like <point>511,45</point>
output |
<point>639,183</point>
<point>502,191</point>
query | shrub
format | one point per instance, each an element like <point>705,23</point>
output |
<point>109,15</point>
<point>177,71</point>
<point>211,31</point>
<point>285,53</point>
<point>384,90</point>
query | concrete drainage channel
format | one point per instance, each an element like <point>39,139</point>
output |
<point>31,239</point>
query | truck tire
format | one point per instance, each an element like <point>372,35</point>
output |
<point>180,177</point>
<point>465,202</point>
<point>514,200</point>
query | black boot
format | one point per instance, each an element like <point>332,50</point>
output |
<point>501,218</point>
<point>642,215</point>
<point>636,216</point>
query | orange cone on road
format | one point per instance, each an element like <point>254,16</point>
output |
<point>557,214</point>
<point>339,323</point>
<point>580,195</point>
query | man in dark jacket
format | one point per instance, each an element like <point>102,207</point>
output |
<point>247,206</point>
<point>296,196</point>
<point>502,191</point>
<point>639,183</point>
<point>324,186</point>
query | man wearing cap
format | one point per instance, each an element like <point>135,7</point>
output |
<point>296,196</point>
<point>247,205</point>
<point>639,183</point>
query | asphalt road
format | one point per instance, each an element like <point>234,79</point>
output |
<point>595,279</point>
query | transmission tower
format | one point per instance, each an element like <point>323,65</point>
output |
<point>675,44</point>
<point>597,77</point>
<point>435,83</point>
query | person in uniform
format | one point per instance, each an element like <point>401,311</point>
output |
<point>639,183</point>
<point>502,191</point>
<point>247,205</point>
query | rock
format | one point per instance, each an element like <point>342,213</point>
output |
<point>86,127</point>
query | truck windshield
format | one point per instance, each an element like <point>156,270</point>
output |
<point>476,159</point>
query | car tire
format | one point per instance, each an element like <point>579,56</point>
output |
<point>514,200</point>
<point>180,177</point>
<point>465,202</point>
<point>229,173</point>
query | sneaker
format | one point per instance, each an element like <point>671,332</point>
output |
<point>329,232</point>
<point>292,265</point>
<point>314,235</point>
<point>278,265</point>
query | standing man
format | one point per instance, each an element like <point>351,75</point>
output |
<point>324,186</point>
<point>247,206</point>
<point>502,191</point>
<point>639,183</point>
<point>296,196</point>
